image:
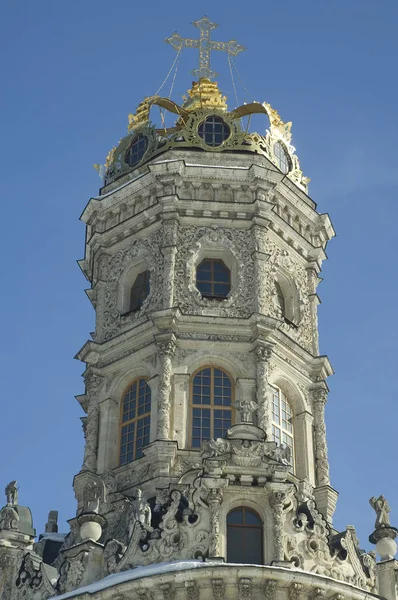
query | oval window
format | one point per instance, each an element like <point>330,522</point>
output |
<point>137,149</point>
<point>214,131</point>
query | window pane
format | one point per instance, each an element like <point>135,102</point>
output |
<point>235,516</point>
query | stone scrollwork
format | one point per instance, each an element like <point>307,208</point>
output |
<point>270,586</point>
<point>192,590</point>
<point>245,588</point>
<point>195,242</point>
<point>218,586</point>
<point>148,249</point>
<point>281,261</point>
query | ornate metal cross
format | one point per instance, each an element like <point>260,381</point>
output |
<point>205,45</point>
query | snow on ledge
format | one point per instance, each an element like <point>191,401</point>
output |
<point>131,574</point>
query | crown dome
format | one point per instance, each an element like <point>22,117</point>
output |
<point>203,122</point>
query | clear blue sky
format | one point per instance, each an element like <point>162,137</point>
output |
<point>71,72</point>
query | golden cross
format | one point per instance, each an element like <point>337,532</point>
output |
<point>205,45</point>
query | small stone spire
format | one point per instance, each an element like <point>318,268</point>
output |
<point>52,523</point>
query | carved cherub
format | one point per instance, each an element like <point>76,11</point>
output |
<point>380,506</point>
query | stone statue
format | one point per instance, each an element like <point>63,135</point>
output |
<point>380,506</point>
<point>91,497</point>
<point>141,510</point>
<point>12,493</point>
<point>246,407</point>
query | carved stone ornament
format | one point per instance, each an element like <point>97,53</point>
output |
<point>245,588</point>
<point>109,313</point>
<point>192,590</point>
<point>270,589</point>
<point>218,586</point>
<point>9,519</point>
<point>238,244</point>
<point>72,571</point>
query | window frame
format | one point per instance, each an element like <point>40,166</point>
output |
<point>213,281</point>
<point>137,139</point>
<point>282,397</point>
<point>213,120</point>
<point>278,157</point>
<point>212,407</point>
<point>135,420</point>
<point>244,525</point>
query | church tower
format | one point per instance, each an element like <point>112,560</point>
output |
<point>205,439</point>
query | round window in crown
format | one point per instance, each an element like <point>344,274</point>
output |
<point>282,157</point>
<point>136,150</point>
<point>214,131</point>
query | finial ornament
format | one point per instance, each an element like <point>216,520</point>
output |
<point>205,45</point>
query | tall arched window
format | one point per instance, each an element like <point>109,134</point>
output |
<point>244,537</point>
<point>211,405</point>
<point>139,291</point>
<point>282,421</point>
<point>280,300</point>
<point>135,420</point>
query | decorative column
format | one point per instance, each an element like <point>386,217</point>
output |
<point>166,350</point>
<point>325,496</point>
<point>319,397</point>
<point>90,428</point>
<point>263,355</point>
<point>277,499</point>
<point>169,251</point>
<point>214,499</point>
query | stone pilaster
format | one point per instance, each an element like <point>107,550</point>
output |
<point>166,350</point>
<point>277,500</point>
<point>108,426</point>
<point>263,355</point>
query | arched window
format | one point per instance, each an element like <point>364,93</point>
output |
<point>244,537</point>
<point>214,131</point>
<point>282,158</point>
<point>211,405</point>
<point>135,420</point>
<point>280,300</point>
<point>213,279</point>
<point>139,291</point>
<point>282,421</point>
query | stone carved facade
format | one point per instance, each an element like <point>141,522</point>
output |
<point>173,501</point>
